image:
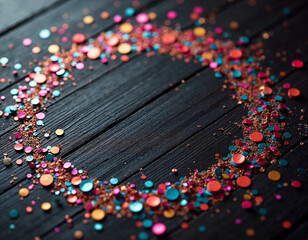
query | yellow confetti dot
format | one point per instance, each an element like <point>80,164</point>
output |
<point>23,192</point>
<point>170,213</point>
<point>207,56</point>
<point>53,48</point>
<point>46,206</point>
<point>59,132</point>
<point>274,175</point>
<point>98,214</point>
<point>126,27</point>
<point>199,31</point>
<point>88,19</point>
<point>124,48</point>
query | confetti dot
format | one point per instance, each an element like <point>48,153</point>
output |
<point>274,175</point>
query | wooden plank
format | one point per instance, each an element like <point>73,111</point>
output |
<point>113,87</point>
<point>15,13</point>
<point>114,91</point>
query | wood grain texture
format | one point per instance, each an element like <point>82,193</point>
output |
<point>130,117</point>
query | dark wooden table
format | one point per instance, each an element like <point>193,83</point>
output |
<point>122,117</point>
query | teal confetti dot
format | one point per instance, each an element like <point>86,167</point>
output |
<point>172,194</point>
<point>202,229</point>
<point>114,181</point>
<point>129,11</point>
<point>44,34</point>
<point>283,162</point>
<point>244,97</point>
<point>98,226</point>
<point>287,135</point>
<point>4,60</point>
<point>86,185</point>
<point>143,236</point>
<point>35,101</point>
<point>14,214</point>
<point>149,184</point>
<point>14,91</point>
<point>301,171</point>
<point>236,74</point>
<point>12,226</point>
<point>56,93</point>
<point>135,207</point>
<point>17,66</point>
<point>147,223</point>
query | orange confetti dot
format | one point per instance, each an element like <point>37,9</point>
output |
<point>293,92</point>
<point>235,53</point>
<point>46,180</point>
<point>113,40</point>
<point>238,158</point>
<point>256,137</point>
<point>204,207</point>
<point>76,181</point>
<point>243,181</point>
<point>94,53</point>
<point>29,209</point>
<point>213,186</point>
<point>153,201</point>
<point>168,38</point>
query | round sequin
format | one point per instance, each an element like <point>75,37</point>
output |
<point>46,180</point>
<point>274,175</point>
<point>98,214</point>
<point>86,185</point>
<point>243,181</point>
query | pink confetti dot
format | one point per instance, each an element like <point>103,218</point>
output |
<point>286,85</point>
<point>159,228</point>
<point>27,42</point>
<point>246,204</point>
<point>117,18</point>
<point>171,14</point>
<point>219,30</point>
<point>80,66</point>
<point>213,64</point>
<point>40,116</point>
<point>142,18</point>
<point>198,10</point>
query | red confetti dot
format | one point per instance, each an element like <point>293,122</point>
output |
<point>79,38</point>
<point>296,184</point>
<point>286,224</point>
<point>243,181</point>
<point>246,204</point>
<point>296,63</point>
<point>256,137</point>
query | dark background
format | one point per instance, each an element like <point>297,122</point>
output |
<point>125,116</point>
